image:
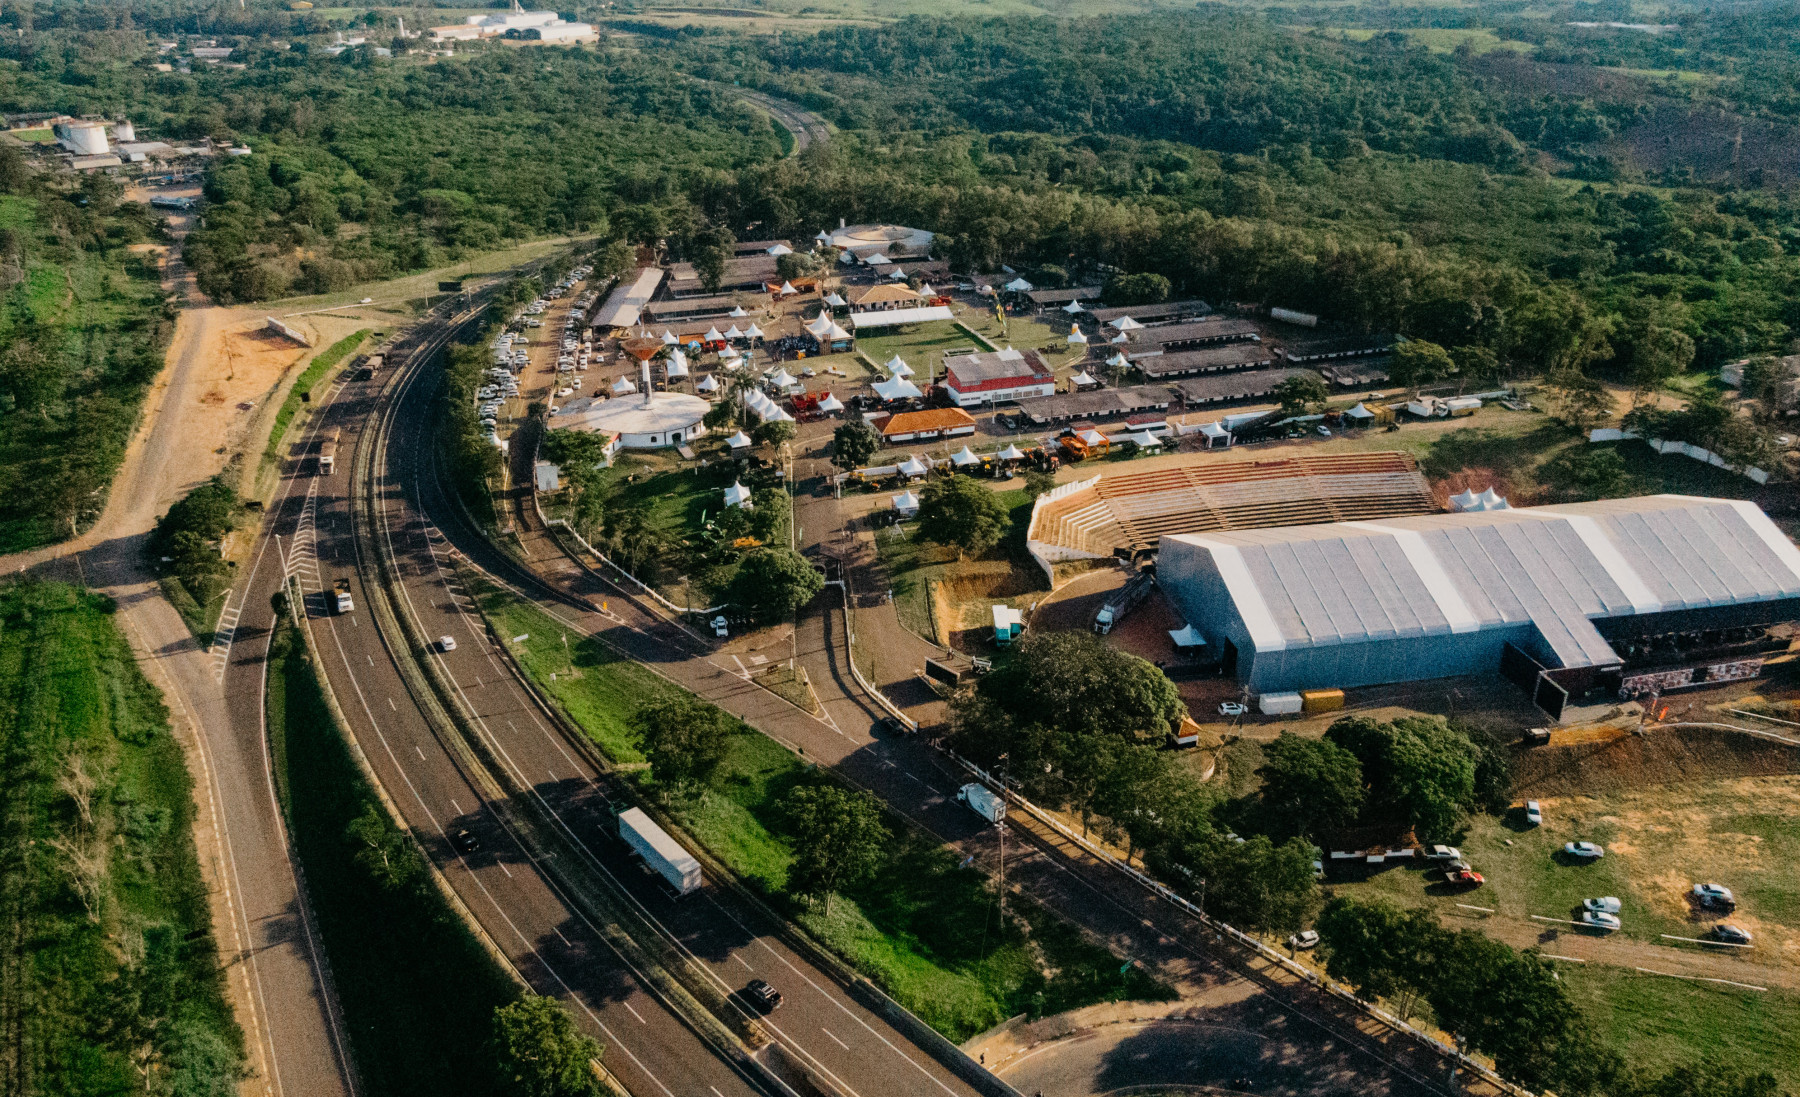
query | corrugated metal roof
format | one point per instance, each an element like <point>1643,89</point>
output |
<point>1557,567</point>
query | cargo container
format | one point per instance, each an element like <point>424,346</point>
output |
<point>1321,700</point>
<point>1279,704</point>
<point>660,852</point>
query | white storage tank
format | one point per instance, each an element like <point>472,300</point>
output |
<point>85,138</point>
<point>1304,319</point>
<point>123,132</point>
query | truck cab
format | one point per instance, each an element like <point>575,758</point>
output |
<point>343,601</point>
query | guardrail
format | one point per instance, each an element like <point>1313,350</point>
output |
<point>1167,894</point>
<point>850,655</point>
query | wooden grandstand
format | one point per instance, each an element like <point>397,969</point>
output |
<point>1131,512</point>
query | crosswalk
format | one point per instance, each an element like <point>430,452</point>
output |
<point>302,561</point>
<point>223,636</point>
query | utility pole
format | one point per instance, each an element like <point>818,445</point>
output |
<point>1005,764</point>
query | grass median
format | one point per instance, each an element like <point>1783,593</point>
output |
<point>417,988</point>
<point>323,362</point>
<point>925,929</point>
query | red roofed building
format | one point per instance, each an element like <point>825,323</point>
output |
<point>997,377</point>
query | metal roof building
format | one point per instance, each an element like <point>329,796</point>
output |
<point>1400,599</point>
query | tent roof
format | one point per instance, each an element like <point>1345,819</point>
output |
<point>1010,453</point>
<point>963,458</point>
<point>1187,636</point>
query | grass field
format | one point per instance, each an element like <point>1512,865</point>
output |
<point>919,929</point>
<point>113,973</point>
<point>417,989</point>
<point>1435,39</point>
<point>323,362</point>
<point>1658,1023</point>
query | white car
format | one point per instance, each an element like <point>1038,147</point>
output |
<point>1586,850</point>
<point>1714,895</point>
<point>1607,905</point>
<point>1233,708</point>
<point>1600,920</point>
<point>1305,939</point>
<point>446,643</point>
<point>1730,934</point>
<point>1444,853</point>
<point>1534,815</point>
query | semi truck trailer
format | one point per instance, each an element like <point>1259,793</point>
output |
<point>660,852</point>
<point>328,452</point>
<point>986,802</point>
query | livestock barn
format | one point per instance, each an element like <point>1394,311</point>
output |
<point>1586,600</point>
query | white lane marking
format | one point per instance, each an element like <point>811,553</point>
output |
<point>420,753</point>
<point>634,1013</point>
<point>834,1039</point>
<point>504,869</point>
<point>393,706</point>
<point>455,805</point>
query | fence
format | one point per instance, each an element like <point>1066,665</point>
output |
<point>605,562</point>
<point>850,654</point>
<point>1264,951</point>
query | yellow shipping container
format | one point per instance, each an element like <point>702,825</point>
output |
<point>1321,700</point>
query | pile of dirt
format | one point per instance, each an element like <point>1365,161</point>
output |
<point>1658,756</point>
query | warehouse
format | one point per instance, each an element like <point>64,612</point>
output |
<point>628,298</point>
<point>1572,601</point>
<point>1186,363</point>
<point>1200,333</point>
<point>1249,384</point>
<point>996,377</point>
<point>1098,404</point>
<point>1149,314</point>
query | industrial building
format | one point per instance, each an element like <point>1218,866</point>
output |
<point>626,302</point>
<point>1097,404</point>
<point>1149,314</point>
<point>1584,600</point>
<point>534,26</point>
<point>1200,333</point>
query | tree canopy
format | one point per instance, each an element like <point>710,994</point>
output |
<point>963,512</point>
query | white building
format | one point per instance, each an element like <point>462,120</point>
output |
<point>642,420</point>
<point>533,26</point>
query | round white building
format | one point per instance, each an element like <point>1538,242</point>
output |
<point>649,420</point>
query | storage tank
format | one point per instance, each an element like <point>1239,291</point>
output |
<point>86,138</point>
<point>122,132</point>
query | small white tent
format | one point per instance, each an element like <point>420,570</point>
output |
<point>963,458</point>
<point>1187,636</point>
<point>737,495</point>
<point>1011,453</point>
<point>779,250</point>
<point>1125,323</point>
<point>897,389</point>
<point>623,385</point>
<point>831,404</point>
<point>1074,307</point>
<point>1018,285</point>
<point>709,383</point>
<point>740,440</point>
<point>907,504</point>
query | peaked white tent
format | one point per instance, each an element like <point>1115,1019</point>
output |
<point>830,404</point>
<point>709,383</point>
<point>897,275</point>
<point>1082,378</point>
<point>820,326</point>
<point>780,250</point>
<point>781,378</point>
<point>1359,413</point>
<point>740,440</point>
<point>925,290</point>
<point>878,260</point>
<point>897,389</point>
<point>838,332</point>
<point>669,339</point>
<point>1124,323</point>
<point>1468,501</point>
<point>753,332</point>
<point>676,358</point>
<point>907,504</point>
<point>732,332</point>
<point>713,335</point>
<point>1018,285</point>
<point>1187,636</point>
<point>1074,307</point>
<point>731,360</point>
<point>963,458</point>
<point>1075,337</point>
<point>1143,439</point>
<point>1118,359</point>
<point>677,368</point>
<point>737,312</point>
<point>1010,453</point>
<point>912,466</point>
<point>623,385</point>
<point>897,367</point>
<point>787,289</point>
<point>1120,338</point>
<point>737,495</point>
<point>835,301</point>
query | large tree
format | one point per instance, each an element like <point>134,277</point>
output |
<point>773,582</point>
<point>854,443</point>
<point>961,511</point>
<point>1075,682</point>
<point>683,737</point>
<point>1378,948</point>
<point>540,1051</point>
<point>1418,362</point>
<point>1310,787</point>
<point>1419,770</point>
<point>1302,393</point>
<point>840,839</point>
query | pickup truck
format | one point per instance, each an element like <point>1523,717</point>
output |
<point>344,603</point>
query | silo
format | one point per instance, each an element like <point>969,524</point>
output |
<point>86,138</point>
<point>123,132</point>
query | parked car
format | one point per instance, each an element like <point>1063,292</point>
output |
<point>1324,431</point>
<point>1444,853</point>
<point>763,995</point>
<point>1534,814</point>
<point>1607,905</point>
<point>1586,850</point>
<point>1233,708</point>
<point>446,643</point>
<point>1306,938</point>
<point>1601,920</point>
<point>1714,896</point>
<point>1464,877</point>
<point>1730,934</point>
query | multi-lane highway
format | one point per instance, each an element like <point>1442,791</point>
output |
<point>560,942</point>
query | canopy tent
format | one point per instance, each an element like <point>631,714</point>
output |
<point>737,312</point>
<point>890,318</point>
<point>830,404</point>
<point>677,368</point>
<point>781,378</point>
<point>709,383</point>
<point>1091,437</point>
<point>1074,307</point>
<point>1187,636</point>
<point>737,495</point>
<point>1143,439</point>
<point>1018,285</point>
<point>753,332</point>
<point>1124,323</point>
<point>820,326</point>
<point>623,385</point>
<point>740,440</point>
<point>1478,501</point>
<point>835,301</point>
<point>963,458</point>
<point>1214,430</point>
<point>925,290</point>
<point>676,358</point>
<point>877,260</point>
<point>731,361</point>
<point>1359,412</point>
<point>1118,359</point>
<point>669,339</point>
<point>1010,453</point>
<point>1082,378</point>
<point>777,415</point>
<point>1119,338</point>
<point>897,367</point>
<point>897,389</point>
<point>732,332</point>
<point>787,289</point>
<point>713,335</point>
<point>897,275</point>
<point>779,250</point>
<point>907,504</point>
<point>1076,339</point>
<point>912,466</point>
<point>838,333</point>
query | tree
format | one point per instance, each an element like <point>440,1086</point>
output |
<point>541,1053</point>
<point>1577,400</point>
<point>1587,472</point>
<point>961,511</point>
<point>1136,289</point>
<point>1037,482</point>
<point>616,260</point>
<point>1417,362</point>
<point>1381,950</point>
<point>711,251</point>
<point>771,515</point>
<point>1076,683</point>
<point>1477,362</point>
<point>683,737</point>
<point>840,839</point>
<point>1310,786</point>
<point>1255,884</point>
<point>1418,770</point>
<point>1302,393</point>
<point>794,264</point>
<point>383,850</point>
<point>854,444</point>
<point>773,433</point>
<point>772,583</point>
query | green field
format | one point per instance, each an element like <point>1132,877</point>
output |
<point>418,991</point>
<point>924,929</point>
<point>113,984</point>
<point>1658,1023</point>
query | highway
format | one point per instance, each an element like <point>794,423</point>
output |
<point>553,938</point>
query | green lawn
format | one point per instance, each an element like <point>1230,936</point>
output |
<point>418,990</point>
<point>1659,1023</point>
<point>114,968</point>
<point>323,362</point>
<point>925,929</point>
<point>913,564</point>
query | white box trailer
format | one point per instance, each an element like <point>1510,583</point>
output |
<point>659,851</point>
<point>987,803</point>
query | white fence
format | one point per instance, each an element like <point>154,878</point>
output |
<point>1686,449</point>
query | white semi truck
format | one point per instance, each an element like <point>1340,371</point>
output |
<point>987,803</point>
<point>661,852</point>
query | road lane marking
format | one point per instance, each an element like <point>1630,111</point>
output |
<point>834,1039</point>
<point>393,706</point>
<point>634,1013</point>
<point>504,869</point>
<point>455,805</point>
<point>420,753</point>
